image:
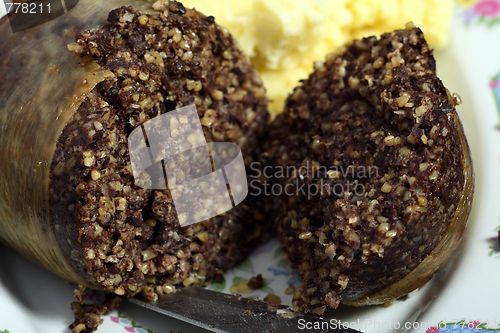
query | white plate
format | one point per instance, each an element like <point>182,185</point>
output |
<point>465,297</point>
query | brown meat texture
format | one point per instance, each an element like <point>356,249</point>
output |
<point>375,159</point>
<point>130,237</point>
<point>88,316</point>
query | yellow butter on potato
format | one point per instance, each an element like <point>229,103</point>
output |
<point>283,38</point>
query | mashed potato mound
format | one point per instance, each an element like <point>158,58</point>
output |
<point>283,38</point>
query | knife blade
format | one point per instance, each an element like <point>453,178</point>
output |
<point>223,313</point>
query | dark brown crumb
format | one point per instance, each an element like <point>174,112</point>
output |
<point>127,239</point>
<point>256,282</point>
<point>379,164</point>
<point>88,316</point>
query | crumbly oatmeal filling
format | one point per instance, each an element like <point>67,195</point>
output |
<point>125,238</point>
<point>372,130</point>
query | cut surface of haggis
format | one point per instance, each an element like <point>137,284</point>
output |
<point>380,169</point>
<point>126,239</point>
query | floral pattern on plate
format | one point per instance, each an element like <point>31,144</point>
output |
<point>279,278</point>
<point>479,12</point>
<point>495,87</point>
<point>463,326</point>
<point>129,324</point>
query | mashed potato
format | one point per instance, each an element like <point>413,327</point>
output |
<point>283,38</point>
